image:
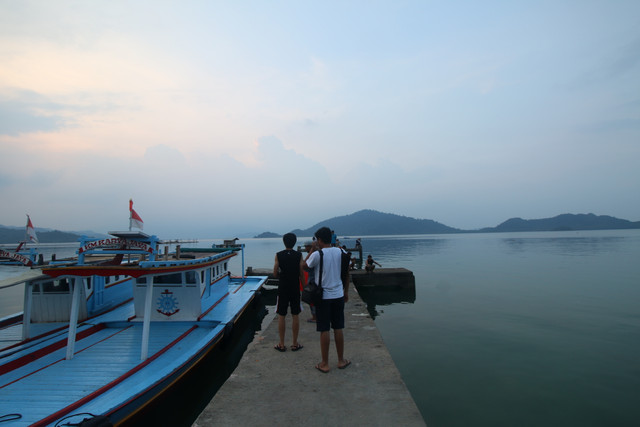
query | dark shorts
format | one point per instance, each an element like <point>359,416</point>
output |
<point>288,298</point>
<point>330,314</point>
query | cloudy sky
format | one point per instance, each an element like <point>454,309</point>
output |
<point>221,118</point>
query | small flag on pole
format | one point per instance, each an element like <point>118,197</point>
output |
<point>31,232</point>
<point>134,218</point>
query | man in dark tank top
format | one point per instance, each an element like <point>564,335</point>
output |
<point>288,269</point>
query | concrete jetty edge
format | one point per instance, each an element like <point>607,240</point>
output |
<point>272,388</point>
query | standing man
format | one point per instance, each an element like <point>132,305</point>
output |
<point>330,312</point>
<point>288,268</point>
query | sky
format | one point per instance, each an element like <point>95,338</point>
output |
<point>224,118</point>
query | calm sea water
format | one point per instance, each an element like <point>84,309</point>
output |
<point>526,329</point>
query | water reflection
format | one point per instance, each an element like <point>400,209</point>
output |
<point>566,246</point>
<point>393,251</point>
<point>380,296</point>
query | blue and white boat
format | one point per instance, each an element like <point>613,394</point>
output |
<point>22,255</point>
<point>108,333</point>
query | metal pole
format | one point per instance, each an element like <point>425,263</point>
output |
<point>26,316</point>
<point>73,321</point>
<point>147,319</point>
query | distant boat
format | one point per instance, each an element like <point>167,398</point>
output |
<point>228,243</point>
<point>108,333</point>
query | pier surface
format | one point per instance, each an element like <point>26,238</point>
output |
<point>273,388</point>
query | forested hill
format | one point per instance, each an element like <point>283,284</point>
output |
<point>565,222</point>
<point>15,235</point>
<point>369,222</point>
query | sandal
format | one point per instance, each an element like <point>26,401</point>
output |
<point>321,370</point>
<point>296,347</point>
<point>347,362</point>
<point>280,348</point>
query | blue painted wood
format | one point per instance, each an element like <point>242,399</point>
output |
<point>106,375</point>
<point>52,383</point>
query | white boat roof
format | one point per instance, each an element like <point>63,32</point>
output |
<point>29,275</point>
<point>129,234</point>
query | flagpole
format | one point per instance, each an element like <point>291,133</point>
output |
<point>26,230</point>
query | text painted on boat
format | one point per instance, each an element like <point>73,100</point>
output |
<point>116,243</point>
<point>15,256</point>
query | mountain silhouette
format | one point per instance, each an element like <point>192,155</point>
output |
<point>565,222</point>
<point>369,222</point>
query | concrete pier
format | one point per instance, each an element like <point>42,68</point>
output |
<point>273,388</point>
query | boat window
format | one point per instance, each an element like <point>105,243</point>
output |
<point>89,283</point>
<point>55,286</point>
<point>141,280</point>
<point>175,278</point>
<point>225,266</point>
<point>190,277</point>
<point>117,277</point>
<point>202,276</point>
<point>35,288</point>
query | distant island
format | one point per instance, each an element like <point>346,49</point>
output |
<point>370,222</point>
<point>564,222</point>
<point>266,235</point>
<point>15,235</point>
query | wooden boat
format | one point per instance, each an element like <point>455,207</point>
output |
<point>228,244</point>
<point>19,256</point>
<point>105,335</point>
<point>22,255</point>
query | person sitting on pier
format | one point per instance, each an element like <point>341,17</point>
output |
<point>288,268</point>
<point>370,264</point>
<point>352,263</point>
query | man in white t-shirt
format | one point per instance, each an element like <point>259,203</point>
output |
<point>330,312</point>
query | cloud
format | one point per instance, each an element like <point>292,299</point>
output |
<point>27,112</point>
<point>163,155</point>
<point>627,59</point>
<point>214,116</point>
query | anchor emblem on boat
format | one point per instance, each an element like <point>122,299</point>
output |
<point>167,303</point>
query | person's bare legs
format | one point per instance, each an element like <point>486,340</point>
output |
<point>339,338</point>
<point>281,329</point>
<point>295,328</point>
<point>338,335</point>
<point>325,339</point>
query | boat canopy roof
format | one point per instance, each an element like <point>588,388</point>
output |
<point>30,275</point>
<point>135,234</point>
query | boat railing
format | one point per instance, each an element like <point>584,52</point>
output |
<point>182,261</point>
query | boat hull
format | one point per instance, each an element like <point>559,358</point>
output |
<point>106,375</point>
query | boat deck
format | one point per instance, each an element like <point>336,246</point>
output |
<point>38,381</point>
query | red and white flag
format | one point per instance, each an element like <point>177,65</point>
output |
<point>31,232</point>
<point>134,218</point>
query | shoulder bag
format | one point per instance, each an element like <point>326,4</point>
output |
<point>312,291</point>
